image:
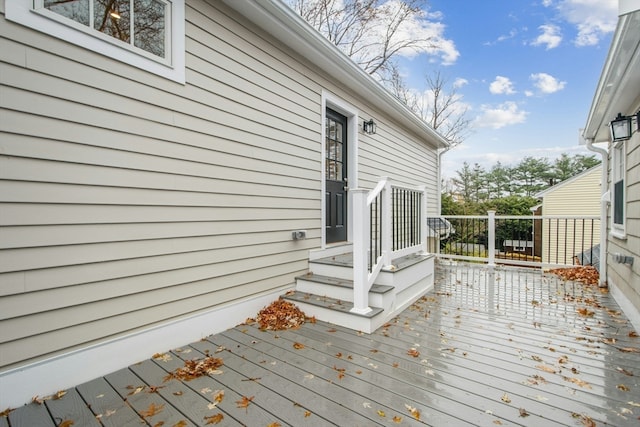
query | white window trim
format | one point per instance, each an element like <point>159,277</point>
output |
<point>22,12</point>
<point>618,230</point>
<point>329,100</point>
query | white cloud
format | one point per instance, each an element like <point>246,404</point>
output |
<point>550,36</point>
<point>500,116</point>
<point>459,82</point>
<point>425,27</point>
<point>501,85</point>
<point>547,3</point>
<point>546,83</point>
<point>528,93</point>
<point>592,18</point>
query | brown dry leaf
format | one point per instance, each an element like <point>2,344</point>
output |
<point>135,389</point>
<point>244,402</point>
<point>624,371</point>
<point>563,360</point>
<point>545,368</point>
<point>585,274</point>
<point>523,412</point>
<point>587,421</point>
<point>181,423</point>
<point>413,352</point>
<point>66,423</point>
<point>280,315</point>
<point>59,394</point>
<point>505,398</point>
<point>35,399</point>
<point>276,424</point>
<point>196,368</point>
<point>307,414</point>
<point>633,334</point>
<point>629,350</point>
<point>332,330</point>
<point>178,393</point>
<point>497,422</point>
<point>152,410</point>
<point>6,412</point>
<point>397,419</point>
<point>218,396</point>
<point>536,358</point>
<point>298,346</point>
<point>381,413</point>
<point>578,381</point>
<point>338,355</point>
<point>585,312</point>
<point>622,387</point>
<point>214,419</point>
<point>159,424</point>
<point>415,413</point>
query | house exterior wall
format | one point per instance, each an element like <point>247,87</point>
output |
<point>625,278</point>
<point>579,197</point>
<point>128,201</point>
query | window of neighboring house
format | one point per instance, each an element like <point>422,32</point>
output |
<point>618,202</point>
<point>148,34</point>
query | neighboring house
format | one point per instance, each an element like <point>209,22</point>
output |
<point>578,198</point>
<point>166,186</point>
<point>618,92</point>
<point>524,247</point>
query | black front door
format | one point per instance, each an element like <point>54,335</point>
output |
<point>336,177</point>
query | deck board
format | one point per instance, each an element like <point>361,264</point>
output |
<point>510,348</point>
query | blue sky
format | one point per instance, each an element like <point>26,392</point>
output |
<point>525,69</point>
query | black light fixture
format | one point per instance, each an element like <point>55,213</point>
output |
<point>369,127</point>
<point>621,128</point>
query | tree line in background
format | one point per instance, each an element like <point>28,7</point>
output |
<point>509,190</point>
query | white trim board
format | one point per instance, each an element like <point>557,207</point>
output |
<point>43,378</point>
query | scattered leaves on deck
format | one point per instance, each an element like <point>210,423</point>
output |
<point>214,419</point>
<point>280,315</point>
<point>165,357</point>
<point>413,352</point>
<point>152,410</point>
<point>196,368</point>
<point>415,413</point>
<point>523,412</point>
<point>298,346</point>
<point>181,423</point>
<point>505,398</point>
<point>244,402</point>
<point>585,274</point>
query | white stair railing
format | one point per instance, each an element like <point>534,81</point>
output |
<point>389,223</point>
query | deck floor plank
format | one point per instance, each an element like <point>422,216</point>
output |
<point>320,372</point>
<point>106,404</point>
<point>149,406</point>
<point>194,405</point>
<point>71,408</point>
<point>295,404</point>
<point>513,347</point>
<point>209,385</point>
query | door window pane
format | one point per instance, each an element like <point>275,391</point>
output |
<point>76,10</point>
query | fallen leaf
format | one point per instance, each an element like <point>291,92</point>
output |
<point>298,346</point>
<point>629,350</point>
<point>218,396</point>
<point>415,413</point>
<point>633,334</point>
<point>6,412</point>
<point>622,387</point>
<point>152,410</point>
<point>578,381</point>
<point>35,399</point>
<point>545,368</point>
<point>397,419</point>
<point>307,414</point>
<point>280,315</point>
<point>196,368</point>
<point>523,412</point>
<point>214,419</point>
<point>159,424</point>
<point>178,393</point>
<point>165,357</point>
<point>505,398</point>
<point>585,312</point>
<point>413,352</point>
<point>244,402</point>
<point>181,423</point>
<point>66,423</point>
<point>497,422</point>
<point>381,413</point>
<point>276,424</point>
<point>59,395</point>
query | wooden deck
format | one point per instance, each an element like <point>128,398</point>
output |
<point>523,350</point>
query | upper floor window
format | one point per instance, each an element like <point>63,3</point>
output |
<point>148,34</point>
<point>617,180</point>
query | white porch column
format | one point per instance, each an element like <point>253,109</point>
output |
<point>387,222</point>
<point>491,225</point>
<point>360,270</point>
<point>424,227</point>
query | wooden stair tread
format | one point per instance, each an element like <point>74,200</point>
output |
<point>333,281</point>
<point>329,303</point>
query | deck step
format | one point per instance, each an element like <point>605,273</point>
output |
<point>329,303</point>
<point>333,281</point>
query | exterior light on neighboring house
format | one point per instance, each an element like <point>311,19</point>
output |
<point>621,127</point>
<point>369,127</point>
<point>114,13</point>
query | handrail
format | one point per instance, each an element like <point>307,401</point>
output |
<point>390,222</point>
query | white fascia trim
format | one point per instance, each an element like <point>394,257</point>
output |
<point>329,100</point>
<point>19,385</point>
<point>630,310</point>
<point>20,11</point>
<point>275,17</point>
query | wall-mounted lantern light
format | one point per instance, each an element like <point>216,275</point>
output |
<point>369,127</point>
<point>621,127</point>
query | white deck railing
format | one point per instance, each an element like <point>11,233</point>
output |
<point>529,240</point>
<point>390,222</point>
